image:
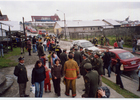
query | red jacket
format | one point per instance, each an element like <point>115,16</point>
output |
<point>115,44</point>
<point>47,79</point>
<point>48,43</point>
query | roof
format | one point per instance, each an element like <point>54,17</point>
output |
<point>14,25</point>
<point>43,22</point>
<point>4,18</point>
<point>81,23</point>
<point>118,50</point>
<point>46,18</point>
<point>112,22</point>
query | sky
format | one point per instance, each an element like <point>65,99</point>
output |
<point>73,9</point>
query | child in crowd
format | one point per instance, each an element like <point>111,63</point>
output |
<point>47,80</point>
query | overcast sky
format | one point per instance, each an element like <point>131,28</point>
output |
<point>74,10</point>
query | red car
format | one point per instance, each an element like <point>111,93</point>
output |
<point>129,61</point>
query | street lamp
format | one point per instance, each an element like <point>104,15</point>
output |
<point>64,22</point>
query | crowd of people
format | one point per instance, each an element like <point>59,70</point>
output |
<point>68,67</point>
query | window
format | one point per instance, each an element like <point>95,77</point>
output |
<point>126,55</point>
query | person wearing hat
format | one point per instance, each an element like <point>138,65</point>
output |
<point>58,50</point>
<point>91,81</point>
<point>81,52</point>
<point>82,69</point>
<point>40,50</point>
<point>21,73</point>
<point>90,56</point>
<point>85,60</point>
<point>77,56</point>
<point>71,71</point>
<point>99,66</point>
<point>63,58</point>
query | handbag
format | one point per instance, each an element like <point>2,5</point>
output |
<point>121,68</point>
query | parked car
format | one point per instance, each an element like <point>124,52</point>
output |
<point>42,32</point>
<point>32,30</point>
<point>86,45</point>
<point>129,61</point>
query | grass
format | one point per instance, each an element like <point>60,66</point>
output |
<point>6,61</point>
<point>115,87</point>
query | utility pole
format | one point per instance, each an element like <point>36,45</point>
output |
<point>24,32</point>
<point>11,39</point>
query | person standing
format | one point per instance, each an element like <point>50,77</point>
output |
<point>43,59</point>
<point>102,39</point>
<point>82,69</point>
<point>40,50</point>
<point>58,50</point>
<point>21,73</point>
<point>133,46</point>
<point>1,50</point>
<point>38,77</point>
<point>77,56</point>
<point>85,60</point>
<point>81,52</point>
<point>49,59</point>
<point>71,71</point>
<point>107,61</point>
<point>29,46</point>
<point>99,67</point>
<point>48,44</point>
<point>22,46</point>
<point>118,74</point>
<point>63,59</point>
<point>53,57</point>
<point>115,45</point>
<point>47,82</point>
<point>139,77</point>
<point>56,72</point>
<point>34,44</point>
<point>138,44</point>
<point>91,81</point>
<point>45,45</point>
<point>122,42</point>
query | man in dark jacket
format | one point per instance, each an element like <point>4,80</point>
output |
<point>40,50</point>
<point>85,60</point>
<point>81,52</point>
<point>63,58</point>
<point>91,81</point>
<point>99,67</point>
<point>29,46</point>
<point>21,73</point>
<point>77,56</point>
<point>108,61</point>
<point>34,44</point>
<point>82,69</point>
<point>58,50</point>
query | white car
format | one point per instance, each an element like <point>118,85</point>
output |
<point>86,45</point>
